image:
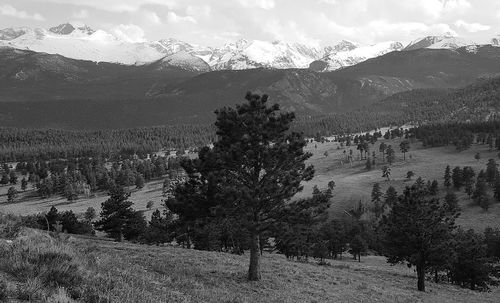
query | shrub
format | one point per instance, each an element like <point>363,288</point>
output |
<point>30,290</point>
<point>42,263</point>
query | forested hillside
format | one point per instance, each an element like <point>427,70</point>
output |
<point>41,90</point>
<point>475,103</point>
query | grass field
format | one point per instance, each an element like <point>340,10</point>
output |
<point>353,184</point>
<point>126,273</point>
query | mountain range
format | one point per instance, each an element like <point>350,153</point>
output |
<point>85,43</point>
<point>78,77</point>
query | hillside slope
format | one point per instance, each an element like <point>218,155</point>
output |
<point>127,273</point>
<point>28,76</point>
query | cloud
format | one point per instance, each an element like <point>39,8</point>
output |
<point>472,27</point>
<point>263,4</point>
<point>8,10</point>
<point>118,5</point>
<point>199,10</point>
<point>330,2</point>
<point>129,33</point>
<point>152,17</point>
<point>460,6</point>
<point>81,14</point>
<point>382,30</point>
<point>172,17</point>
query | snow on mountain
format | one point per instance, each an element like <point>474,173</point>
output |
<point>495,41</point>
<point>12,33</point>
<point>253,54</point>
<point>347,56</point>
<point>185,61</point>
<point>84,43</point>
<point>447,41</point>
<point>342,46</point>
<point>81,43</point>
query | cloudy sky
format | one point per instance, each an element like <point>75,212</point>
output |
<point>215,22</point>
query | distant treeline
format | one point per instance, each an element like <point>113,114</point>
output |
<point>33,144</point>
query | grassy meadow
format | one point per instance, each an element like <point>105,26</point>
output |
<point>353,184</point>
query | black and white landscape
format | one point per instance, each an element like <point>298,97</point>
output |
<point>249,151</point>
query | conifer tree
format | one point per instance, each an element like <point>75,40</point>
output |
<point>386,173</point>
<point>491,171</point>
<point>391,155</point>
<point>255,166</point>
<point>468,175</point>
<point>471,267</point>
<point>118,219</point>
<point>447,177</point>
<point>11,194</point>
<point>416,230</point>
<point>378,207</point>
<point>480,195</point>
<point>496,189</point>
<point>404,147</point>
<point>382,147</point>
<point>391,196</point>
<point>358,246</point>
<point>24,184</point>
<point>457,178</point>
<point>451,202</point>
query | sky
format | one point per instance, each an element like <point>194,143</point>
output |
<point>216,22</point>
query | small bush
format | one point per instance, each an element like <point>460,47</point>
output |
<point>43,262</point>
<point>9,226</point>
<point>31,290</point>
<point>61,296</point>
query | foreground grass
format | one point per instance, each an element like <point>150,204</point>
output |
<point>137,273</point>
<point>99,270</point>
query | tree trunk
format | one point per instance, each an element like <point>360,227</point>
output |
<point>421,277</point>
<point>436,276</point>
<point>359,257</point>
<point>254,268</point>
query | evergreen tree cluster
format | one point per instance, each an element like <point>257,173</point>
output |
<point>420,230</point>
<point>83,176</point>
<point>479,188</point>
<point>48,144</point>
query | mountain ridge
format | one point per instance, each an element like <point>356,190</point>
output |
<point>84,43</point>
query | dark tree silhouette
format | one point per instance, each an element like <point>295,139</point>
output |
<point>118,219</point>
<point>447,177</point>
<point>255,166</point>
<point>391,155</point>
<point>404,146</point>
<point>415,230</point>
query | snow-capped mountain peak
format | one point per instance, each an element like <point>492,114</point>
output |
<point>348,54</point>
<point>186,61</point>
<point>62,29</point>
<point>341,46</point>
<point>68,28</point>
<point>446,41</point>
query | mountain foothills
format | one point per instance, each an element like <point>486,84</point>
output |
<point>76,77</point>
